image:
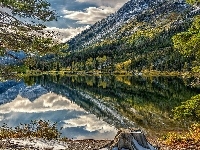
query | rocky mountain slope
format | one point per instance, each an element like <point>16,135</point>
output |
<point>135,15</point>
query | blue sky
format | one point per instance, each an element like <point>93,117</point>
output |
<point>77,15</point>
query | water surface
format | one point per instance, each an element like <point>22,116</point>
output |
<point>94,106</point>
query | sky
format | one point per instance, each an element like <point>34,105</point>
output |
<point>75,16</point>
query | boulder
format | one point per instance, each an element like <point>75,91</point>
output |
<point>131,140</point>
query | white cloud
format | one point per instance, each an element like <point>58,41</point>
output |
<point>45,103</point>
<point>90,15</point>
<point>112,3</point>
<point>1,118</point>
<point>87,121</point>
<point>93,14</point>
<point>65,34</point>
<point>96,128</point>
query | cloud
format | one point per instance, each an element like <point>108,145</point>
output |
<point>64,34</point>
<point>4,9</point>
<point>87,121</point>
<point>45,103</point>
<point>90,15</point>
<point>96,128</point>
<point>112,3</point>
<point>1,118</point>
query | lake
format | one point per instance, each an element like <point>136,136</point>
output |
<point>95,107</point>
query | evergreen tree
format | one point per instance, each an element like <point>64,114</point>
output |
<point>188,43</point>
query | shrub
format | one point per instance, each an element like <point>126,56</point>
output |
<point>189,109</point>
<point>35,129</point>
<point>190,137</point>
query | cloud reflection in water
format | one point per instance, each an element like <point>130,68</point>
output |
<point>76,122</point>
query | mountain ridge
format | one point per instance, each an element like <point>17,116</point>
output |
<point>133,9</point>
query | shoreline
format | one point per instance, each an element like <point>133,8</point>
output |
<point>123,73</point>
<point>85,144</point>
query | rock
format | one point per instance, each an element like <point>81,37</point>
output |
<point>131,140</point>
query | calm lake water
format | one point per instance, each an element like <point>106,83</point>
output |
<point>95,106</point>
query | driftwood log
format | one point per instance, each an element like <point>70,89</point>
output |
<point>131,140</point>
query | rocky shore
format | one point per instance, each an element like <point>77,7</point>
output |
<point>39,144</point>
<point>124,140</point>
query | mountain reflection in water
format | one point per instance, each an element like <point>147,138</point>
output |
<point>93,106</point>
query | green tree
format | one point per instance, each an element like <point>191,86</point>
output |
<point>189,109</point>
<point>21,28</point>
<point>192,2</point>
<point>188,43</point>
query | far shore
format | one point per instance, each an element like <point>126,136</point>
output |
<point>145,73</point>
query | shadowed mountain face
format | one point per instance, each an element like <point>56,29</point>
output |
<point>143,14</point>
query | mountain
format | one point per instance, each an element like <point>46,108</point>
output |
<point>137,14</point>
<point>138,36</point>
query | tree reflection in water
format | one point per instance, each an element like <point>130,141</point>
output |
<point>146,101</point>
